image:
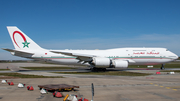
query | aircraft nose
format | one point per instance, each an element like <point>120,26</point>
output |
<point>176,56</point>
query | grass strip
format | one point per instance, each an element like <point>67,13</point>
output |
<point>4,69</point>
<point>27,75</point>
<point>177,71</point>
<point>168,65</point>
<point>48,68</point>
<point>113,73</point>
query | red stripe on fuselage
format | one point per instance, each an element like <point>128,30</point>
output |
<point>112,58</point>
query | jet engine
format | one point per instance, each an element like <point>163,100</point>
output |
<point>101,62</point>
<point>119,64</point>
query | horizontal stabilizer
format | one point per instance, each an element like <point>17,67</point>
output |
<point>23,52</point>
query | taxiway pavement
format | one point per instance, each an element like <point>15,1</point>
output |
<point>163,87</point>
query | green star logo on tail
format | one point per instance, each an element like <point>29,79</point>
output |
<point>26,44</point>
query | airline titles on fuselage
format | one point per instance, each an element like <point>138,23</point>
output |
<point>149,53</point>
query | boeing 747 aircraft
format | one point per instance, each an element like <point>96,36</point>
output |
<point>110,58</point>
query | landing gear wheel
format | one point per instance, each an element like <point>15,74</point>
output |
<point>94,69</point>
<point>104,69</point>
<point>162,67</point>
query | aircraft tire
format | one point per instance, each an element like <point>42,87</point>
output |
<point>162,67</point>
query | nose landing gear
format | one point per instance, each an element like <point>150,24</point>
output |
<point>162,67</point>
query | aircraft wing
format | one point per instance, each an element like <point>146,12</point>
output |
<point>18,51</point>
<point>81,57</point>
<point>73,54</point>
<point>84,57</point>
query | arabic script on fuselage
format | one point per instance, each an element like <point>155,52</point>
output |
<point>153,53</point>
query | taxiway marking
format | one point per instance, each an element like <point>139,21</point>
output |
<point>163,86</point>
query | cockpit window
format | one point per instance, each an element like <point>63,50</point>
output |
<point>172,56</point>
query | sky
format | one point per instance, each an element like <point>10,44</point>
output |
<point>92,24</point>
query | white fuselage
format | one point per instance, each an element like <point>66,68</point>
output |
<point>117,58</point>
<point>134,56</point>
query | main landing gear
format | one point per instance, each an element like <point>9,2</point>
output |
<point>162,67</point>
<point>94,69</point>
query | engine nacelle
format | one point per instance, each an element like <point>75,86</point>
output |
<point>119,64</point>
<point>101,62</point>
